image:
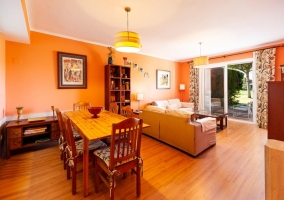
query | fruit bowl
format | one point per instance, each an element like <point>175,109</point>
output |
<point>95,111</point>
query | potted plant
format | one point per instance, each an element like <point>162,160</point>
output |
<point>110,55</point>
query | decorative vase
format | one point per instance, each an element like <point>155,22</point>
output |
<point>109,60</point>
<point>125,60</point>
<point>19,112</point>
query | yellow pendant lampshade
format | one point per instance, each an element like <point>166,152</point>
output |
<point>201,60</point>
<point>127,41</point>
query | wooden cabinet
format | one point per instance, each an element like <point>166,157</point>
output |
<point>25,134</point>
<point>275,128</point>
<point>117,85</point>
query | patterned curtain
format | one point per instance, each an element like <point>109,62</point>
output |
<point>265,71</point>
<point>193,85</point>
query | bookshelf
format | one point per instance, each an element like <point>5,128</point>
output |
<point>117,85</point>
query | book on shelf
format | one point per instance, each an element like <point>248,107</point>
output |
<point>32,130</point>
<point>42,140</point>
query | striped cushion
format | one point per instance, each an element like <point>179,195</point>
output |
<point>93,145</point>
<point>104,154</point>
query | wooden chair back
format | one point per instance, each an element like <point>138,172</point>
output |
<point>60,123</point>
<point>127,111</point>
<point>113,107</point>
<point>128,136</point>
<point>124,155</point>
<point>81,106</point>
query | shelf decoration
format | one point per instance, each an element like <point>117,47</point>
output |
<point>110,55</point>
<point>125,60</point>
<point>72,71</point>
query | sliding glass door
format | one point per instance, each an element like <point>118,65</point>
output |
<point>214,87</point>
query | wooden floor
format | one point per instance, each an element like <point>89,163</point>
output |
<point>233,169</point>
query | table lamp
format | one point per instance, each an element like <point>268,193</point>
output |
<point>182,87</point>
<point>139,98</point>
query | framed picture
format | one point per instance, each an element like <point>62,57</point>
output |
<point>129,63</point>
<point>135,65</point>
<point>163,79</point>
<point>141,70</point>
<point>72,71</point>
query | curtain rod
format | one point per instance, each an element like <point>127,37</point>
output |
<point>224,56</point>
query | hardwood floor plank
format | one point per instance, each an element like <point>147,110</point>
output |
<point>233,169</point>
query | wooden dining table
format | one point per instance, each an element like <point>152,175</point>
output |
<point>92,129</point>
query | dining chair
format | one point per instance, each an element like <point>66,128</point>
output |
<point>113,107</point>
<point>61,140</point>
<point>74,152</point>
<point>62,137</point>
<point>81,106</point>
<point>127,111</point>
<point>121,156</point>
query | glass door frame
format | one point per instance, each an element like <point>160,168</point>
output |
<point>225,66</point>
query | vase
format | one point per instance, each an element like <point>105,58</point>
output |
<point>19,112</point>
<point>109,60</point>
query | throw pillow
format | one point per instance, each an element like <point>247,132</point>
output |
<point>172,107</point>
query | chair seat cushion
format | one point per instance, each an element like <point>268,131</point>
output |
<point>75,133</point>
<point>108,139</point>
<point>93,145</point>
<point>104,154</point>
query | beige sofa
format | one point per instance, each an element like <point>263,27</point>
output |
<point>173,127</point>
<point>174,104</point>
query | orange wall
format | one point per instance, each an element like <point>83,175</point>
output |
<point>279,61</point>
<point>31,75</point>
<point>184,79</point>
<point>2,77</point>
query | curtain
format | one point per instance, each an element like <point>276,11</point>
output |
<point>265,71</point>
<point>193,85</point>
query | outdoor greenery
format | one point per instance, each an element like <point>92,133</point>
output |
<point>234,86</point>
<point>245,68</point>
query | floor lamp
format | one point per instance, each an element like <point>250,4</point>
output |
<point>139,98</point>
<point>182,87</point>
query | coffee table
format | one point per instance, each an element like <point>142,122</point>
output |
<point>220,117</point>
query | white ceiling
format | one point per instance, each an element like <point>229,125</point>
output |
<point>169,29</point>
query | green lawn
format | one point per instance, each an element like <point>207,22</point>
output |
<point>243,98</point>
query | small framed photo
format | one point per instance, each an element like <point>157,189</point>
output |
<point>163,79</point>
<point>146,75</point>
<point>141,70</point>
<point>72,71</point>
<point>135,65</point>
<point>129,63</point>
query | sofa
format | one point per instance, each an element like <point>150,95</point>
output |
<point>175,128</point>
<point>174,104</point>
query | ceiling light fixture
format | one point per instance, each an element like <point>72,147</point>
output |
<point>201,60</point>
<point>127,41</point>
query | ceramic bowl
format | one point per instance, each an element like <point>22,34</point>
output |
<point>95,111</point>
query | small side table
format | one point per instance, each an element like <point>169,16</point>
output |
<point>136,113</point>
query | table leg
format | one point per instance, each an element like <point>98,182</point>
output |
<point>86,167</point>
<point>221,123</point>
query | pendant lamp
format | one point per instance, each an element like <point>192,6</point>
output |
<point>201,60</point>
<point>127,41</point>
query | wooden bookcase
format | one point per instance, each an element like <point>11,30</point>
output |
<point>275,128</point>
<point>17,137</point>
<point>117,85</point>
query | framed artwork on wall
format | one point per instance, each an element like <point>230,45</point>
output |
<point>72,71</point>
<point>163,79</point>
